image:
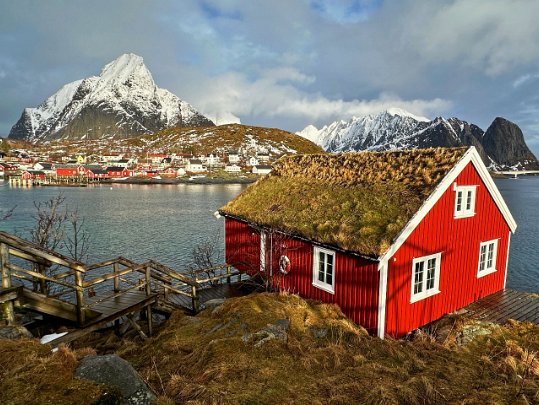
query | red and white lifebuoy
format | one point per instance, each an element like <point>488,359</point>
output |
<point>284,264</point>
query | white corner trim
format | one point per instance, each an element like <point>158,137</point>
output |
<point>382,297</point>
<point>492,189</point>
<point>470,155</point>
<point>507,261</point>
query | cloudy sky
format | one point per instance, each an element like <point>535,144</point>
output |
<point>288,63</point>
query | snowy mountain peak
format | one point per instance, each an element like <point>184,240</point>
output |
<point>123,101</point>
<point>127,67</point>
<point>398,129</point>
<point>403,113</point>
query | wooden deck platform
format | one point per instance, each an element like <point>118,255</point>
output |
<point>115,307</point>
<point>206,294</point>
<point>506,304</point>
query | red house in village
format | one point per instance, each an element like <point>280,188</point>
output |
<point>396,239</point>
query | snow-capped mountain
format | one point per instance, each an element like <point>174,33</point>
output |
<point>502,145</point>
<point>122,101</point>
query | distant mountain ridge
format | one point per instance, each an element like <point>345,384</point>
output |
<point>123,101</point>
<point>501,146</point>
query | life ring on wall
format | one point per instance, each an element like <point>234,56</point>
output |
<point>284,264</point>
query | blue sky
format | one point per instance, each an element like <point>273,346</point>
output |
<point>288,63</point>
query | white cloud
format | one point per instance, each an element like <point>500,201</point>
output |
<point>273,97</point>
<point>491,35</point>
<point>524,79</point>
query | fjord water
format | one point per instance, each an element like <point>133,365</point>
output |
<point>140,222</point>
<point>165,222</point>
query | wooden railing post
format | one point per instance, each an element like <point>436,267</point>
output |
<point>80,298</point>
<point>43,283</point>
<point>148,293</point>
<point>196,298</point>
<point>116,268</point>
<point>228,271</point>
<point>7,307</point>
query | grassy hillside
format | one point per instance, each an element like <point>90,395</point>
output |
<point>278,348</point>
<point>233,136</point>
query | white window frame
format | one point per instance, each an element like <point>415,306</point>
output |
<point>465,212</point>
<point>484,258</point>
<point>263,250</point>
<point>323,285</point>
<point>435,289</point>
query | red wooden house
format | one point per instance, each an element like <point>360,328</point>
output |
<point>33,175</point>
<point>118,171</point>
<point>67,172</point>
<point>396,239</point>
<point>6,169</point>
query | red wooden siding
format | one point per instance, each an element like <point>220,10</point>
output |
<point>458,240</point>
<point>242,246</point>
<point>356,279</point>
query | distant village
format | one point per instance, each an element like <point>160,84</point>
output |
<point>31,167</point>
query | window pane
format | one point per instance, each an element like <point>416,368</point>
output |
<point>459,200</point>
<point>490,256</point>
<point>482,257</point>
<point>469,200</point>
<point>329,279</point>
<point>321,264</point>
<point>418,277</point>
<point>431,268</point>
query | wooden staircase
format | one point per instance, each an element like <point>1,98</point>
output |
<point>92,296</point>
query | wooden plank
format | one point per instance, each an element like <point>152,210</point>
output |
<point>518,308</point>
<point>102,321</point>
<point>104,263</point>
<point>106,277</point>
<point>172,273</point>
<point>51,306</point>
<point>29,257</point>
<point>9,294</point>
<point>39,276</point>
<point>504,305</point>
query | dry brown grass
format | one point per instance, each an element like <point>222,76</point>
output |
<point>356,201</point>
<point>205,360</point>
<point>208,359</point>
<point>31,374</point>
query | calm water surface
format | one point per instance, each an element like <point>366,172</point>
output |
<point>140,222</point>
<point>165,222</point>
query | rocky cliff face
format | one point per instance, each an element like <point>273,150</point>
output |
<point>123,101</point>
<point>502,146</point>
<point>504,142</point>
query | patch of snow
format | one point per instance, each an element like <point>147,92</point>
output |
<point>49,338</point>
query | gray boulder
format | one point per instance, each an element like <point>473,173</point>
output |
<point>14,332</point>
<point>119,374</point>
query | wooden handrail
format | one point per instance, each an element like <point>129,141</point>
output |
<point>171,273</point>
<point>209,269</point>
<point>39,276</point>
<point>32,249</point>
<point>218,277</point>
<point>107,276</point>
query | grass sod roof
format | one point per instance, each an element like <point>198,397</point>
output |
<point>354,201</point>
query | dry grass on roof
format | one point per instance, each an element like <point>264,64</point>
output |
<point>420,168</point>
<point>358,202</point>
